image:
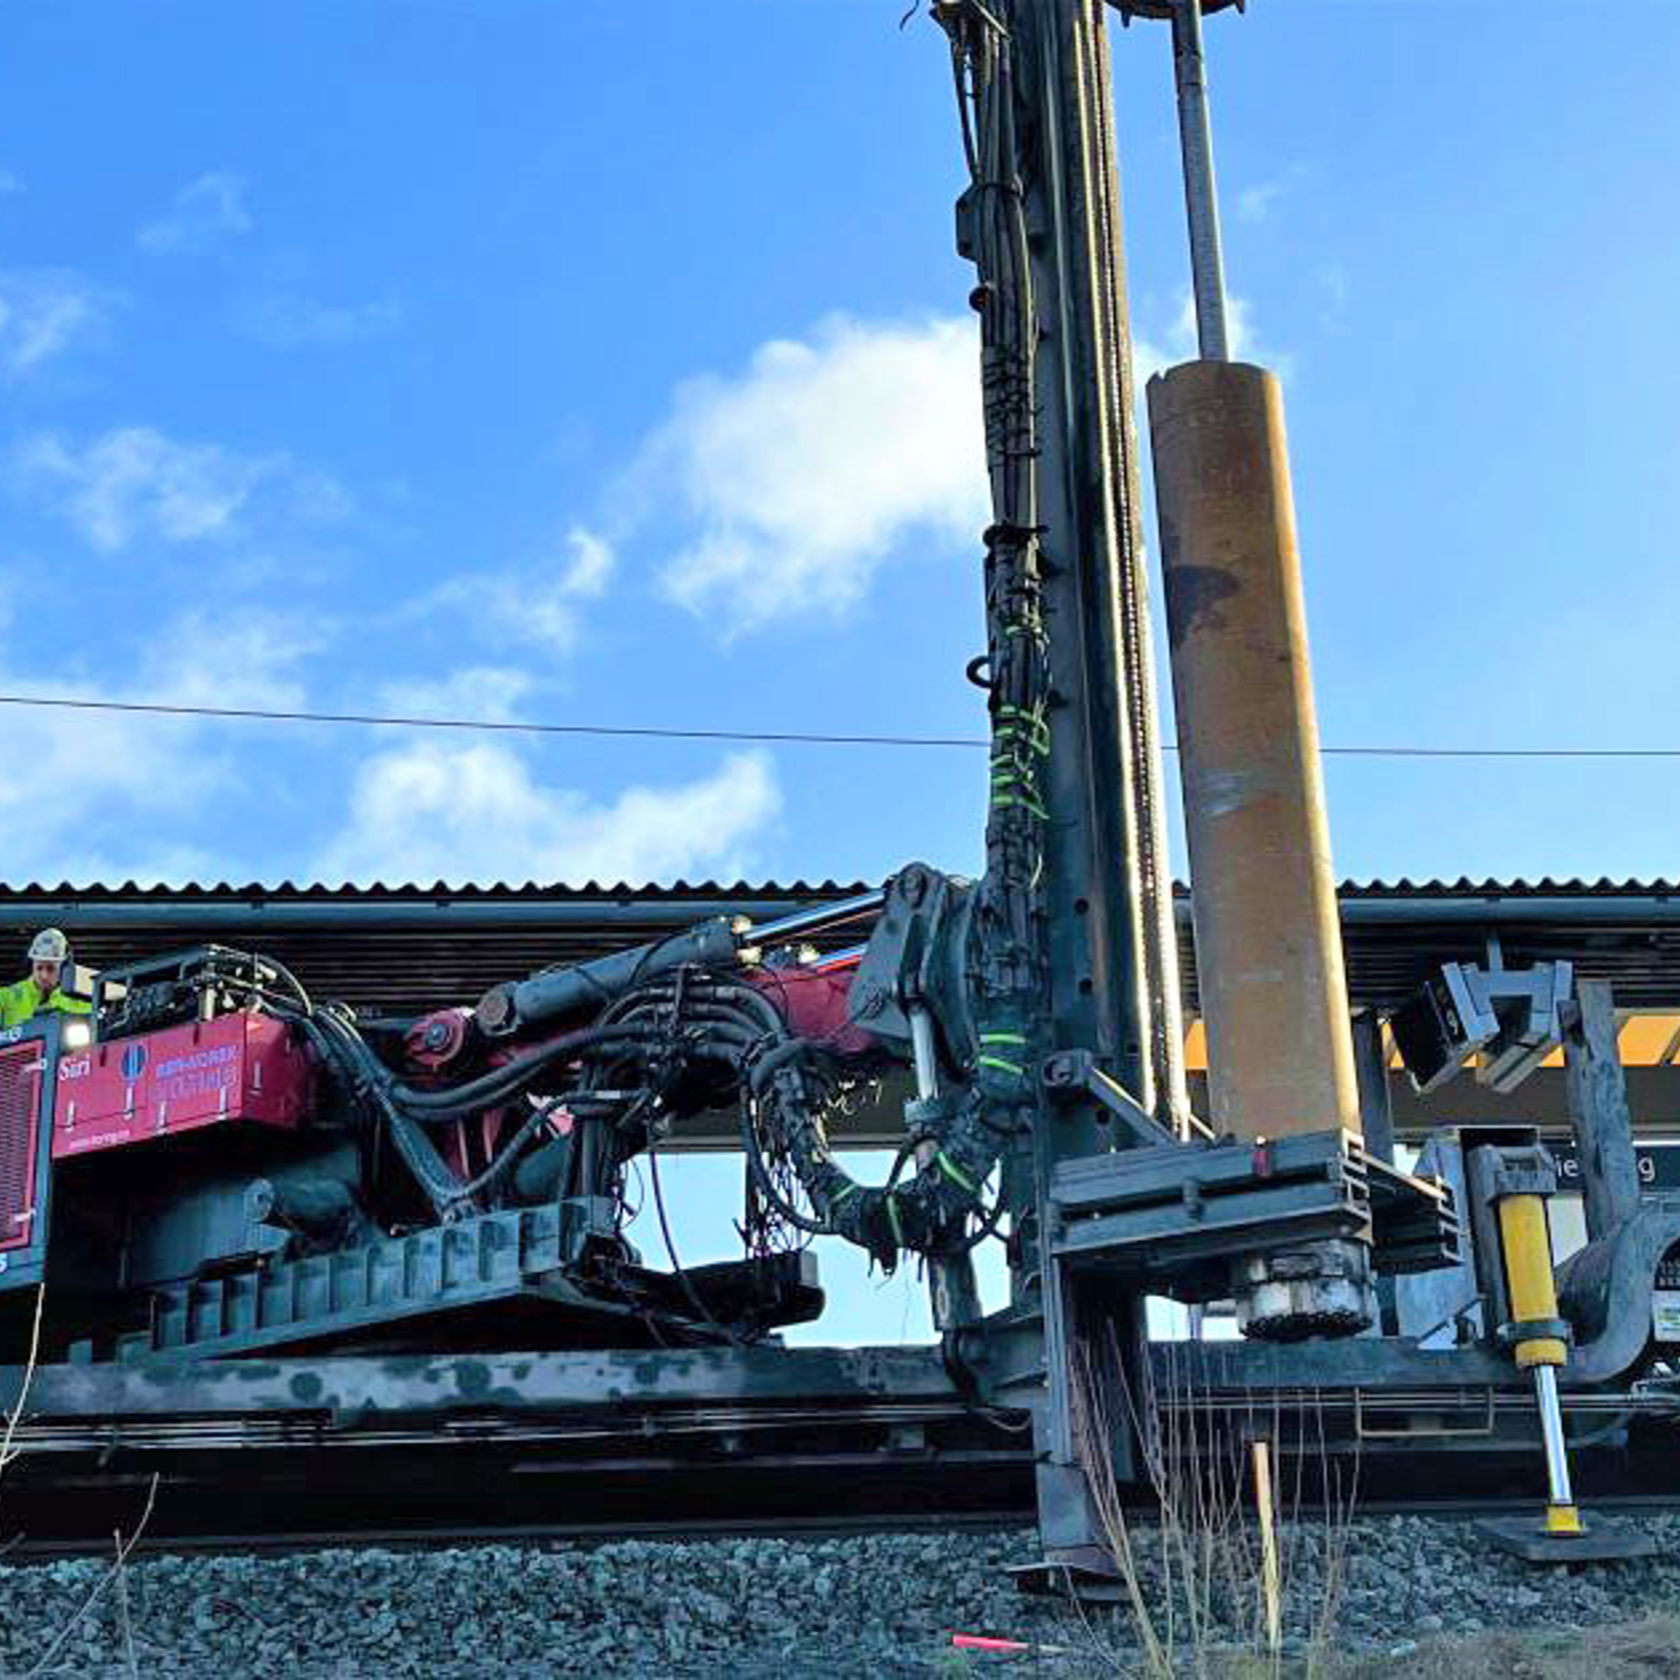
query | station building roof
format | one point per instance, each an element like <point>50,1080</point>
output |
<point>419,946</point>
<point>406,948</point>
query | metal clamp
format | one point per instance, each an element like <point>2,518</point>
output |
<point>1536,1330</point>
<point>1075,1073</point>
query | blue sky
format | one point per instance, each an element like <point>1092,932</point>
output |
<point>599,362</point>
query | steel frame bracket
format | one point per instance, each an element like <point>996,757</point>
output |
<point>1171,1216</point>
<point>1509,1019</point>
<point>1071,1074</point>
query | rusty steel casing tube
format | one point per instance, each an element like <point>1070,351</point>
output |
<point>1262,890</point>
<point>1263,899</point>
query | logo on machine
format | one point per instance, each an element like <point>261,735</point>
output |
<point>196,1061</point>
<point>134,1060</point>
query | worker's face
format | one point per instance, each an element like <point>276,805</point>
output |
<point>46,975</point>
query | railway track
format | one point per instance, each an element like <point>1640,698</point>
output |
<point>469,1449</point>
<point>21,1548</point>
<point>465,1491</point>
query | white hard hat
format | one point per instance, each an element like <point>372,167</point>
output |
<point>49,945</point>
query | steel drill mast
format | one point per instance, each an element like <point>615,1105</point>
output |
<point>1066,582</point>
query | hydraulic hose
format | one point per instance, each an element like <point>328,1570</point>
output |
<point>500,1083</point>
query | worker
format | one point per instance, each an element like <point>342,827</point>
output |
<point>38,990</point>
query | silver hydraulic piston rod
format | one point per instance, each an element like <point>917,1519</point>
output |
<point>1201,195</point>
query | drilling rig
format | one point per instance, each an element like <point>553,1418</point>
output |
<point>224,1197</point>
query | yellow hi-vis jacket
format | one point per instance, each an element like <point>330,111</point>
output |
<point>22,999</point>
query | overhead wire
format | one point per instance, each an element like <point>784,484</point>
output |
<point>754,737</point>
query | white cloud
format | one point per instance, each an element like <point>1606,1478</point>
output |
<point>804,473</point>
<point>111,794</point>
<point>539,604</point>
<point>431,811</point>
<point>1255,202</point>
<point>10,182</point>
<point>287,321</point>
<point>590,566</point>
<point>133,481</point>
<point>42,312</point>
<point>487,693</point>
<point>202,217</point>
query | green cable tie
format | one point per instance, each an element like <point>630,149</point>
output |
<point>1003,800</point>
<point>1002,1066</point>
<point>892,1219</point>
<point>835,1201</point>
<point>1003,1038</point>
<point>955,1173</point>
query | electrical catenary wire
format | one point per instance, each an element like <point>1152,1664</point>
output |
<point>747,737</point>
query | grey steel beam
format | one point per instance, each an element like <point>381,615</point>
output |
<point>354,1389</point>
<point>1376,1108</point>
<point>1542,1100</point>
<point>1598,1109</point>
<point>195,914</point>
<point>192,915</point>
<point>1506,909</point>
<point>1376,1114</point>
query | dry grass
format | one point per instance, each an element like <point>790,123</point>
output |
<point>9,1421</point>
<point>116,1578</point>
<point>1643,1650</point>
<point>1196,1578</point>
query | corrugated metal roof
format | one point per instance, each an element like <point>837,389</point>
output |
<point>414,947</point>
<point>474,891</point>
<point>1546,887</point>
<point>410,890</point>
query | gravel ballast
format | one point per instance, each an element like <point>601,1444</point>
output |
<point>873,1605</point>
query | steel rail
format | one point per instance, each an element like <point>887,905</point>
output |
<point>320,1430</point>
<point>1436,1494</point>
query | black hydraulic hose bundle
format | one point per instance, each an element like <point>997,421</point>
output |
<point>406,1111</point>
<point>664,1025</point>
<point>342,1050</point>
<point>1007,971</point>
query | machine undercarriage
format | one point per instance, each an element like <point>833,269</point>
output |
<point>224,1199</point>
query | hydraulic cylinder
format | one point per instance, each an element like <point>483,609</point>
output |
<point>1536,1341</point>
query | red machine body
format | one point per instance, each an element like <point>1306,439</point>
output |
<point>238,1069</point>
<point>815,1000</point>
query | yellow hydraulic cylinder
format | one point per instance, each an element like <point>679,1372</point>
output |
<point>1263,897</point>
<point>1526,1240</point>
<point>1526,1244</point>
